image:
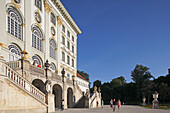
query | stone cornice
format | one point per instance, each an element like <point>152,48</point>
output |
<point>66,15</point>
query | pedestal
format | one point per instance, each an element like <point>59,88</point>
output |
<point>143,104</point>
<point>50,102</point>
<point>155,104</point>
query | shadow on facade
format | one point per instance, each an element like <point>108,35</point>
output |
<point>57,91</point>
<point>69,98</point>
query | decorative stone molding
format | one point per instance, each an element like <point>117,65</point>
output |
<point>47,7</point>
<point>59,21</point>
<point>28,56</point>
<point>16,5</point>
<point>3,45</point>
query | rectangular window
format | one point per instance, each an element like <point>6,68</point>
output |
<point>63,40</point>
<point>73,38</point>
<point>68,60</point>
<point>72,62</point>
<point>68,33</point>
<point>53,19</point>
<point>63,28</point>
<point>73,49</point>
<point>38,4</point>
<point>63,56</point>
<point>68,44</point>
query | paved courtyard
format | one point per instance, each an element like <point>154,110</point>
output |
<point>124,109</point>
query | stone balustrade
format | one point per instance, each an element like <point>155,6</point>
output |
<point>17,79</point>
<point>37,71</point>
<point>55,76</point>
<point>14,64</point>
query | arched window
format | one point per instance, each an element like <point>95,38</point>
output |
<point>15,23</point>
<point>15,52</point>
<point>37,38</point>
<point>52,67</point>
<point>52,49</point>
<point>38,4</point>
<point>53,18</point>
<point>38,61</point>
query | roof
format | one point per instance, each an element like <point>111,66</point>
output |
<point>78,75</point>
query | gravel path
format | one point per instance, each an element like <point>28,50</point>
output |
<point>107,109</point>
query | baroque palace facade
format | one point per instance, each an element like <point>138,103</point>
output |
<point>38,58</point>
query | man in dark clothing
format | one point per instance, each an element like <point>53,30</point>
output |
<point>114,104</point>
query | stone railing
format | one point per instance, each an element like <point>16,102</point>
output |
<point>14,64</point>
<point>92,98</point>
<point>55,76</point>
<point>21,82</point>
<point>78,88</point>
<point>37,71</point>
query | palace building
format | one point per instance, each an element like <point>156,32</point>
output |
<point>38,58</point>
<point>44,29</point>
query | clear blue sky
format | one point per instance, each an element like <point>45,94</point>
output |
<point>118,34</point>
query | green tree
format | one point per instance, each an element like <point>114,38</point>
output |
<point>140,75</point>
<point>85,75</point>
<point>97,83</point>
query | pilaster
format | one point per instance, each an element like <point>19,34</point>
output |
<point>59,54</point>
<point>47,9</point>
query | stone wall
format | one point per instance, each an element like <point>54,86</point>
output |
<point>15,100</point>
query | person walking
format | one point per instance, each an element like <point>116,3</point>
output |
<point>97,103</point>
<point>62,105</point>
<point>118,105</point>
<point>114,105</point>
<point>102,103</point>
<point>111,103</point>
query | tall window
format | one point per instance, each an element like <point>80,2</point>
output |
<point>37,38</point>
<point>15,52</point>
<point>68,60</point>
<point>38,4</point>
<point>72,62</point>
<point>15,23</point>
<point>63,40</point>
<point>73,38</point>
<point>68,33</point>
<point>73,49</point>
<point>68,44</point>
<point>52,49</point>
<point>53,18</point>
<point>63,28</point>
<point>63,56</point>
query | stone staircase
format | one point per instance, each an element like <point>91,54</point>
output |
<point>8,73</point>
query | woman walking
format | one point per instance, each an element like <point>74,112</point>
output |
<point>111,104</point>
<point>118,105</point>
